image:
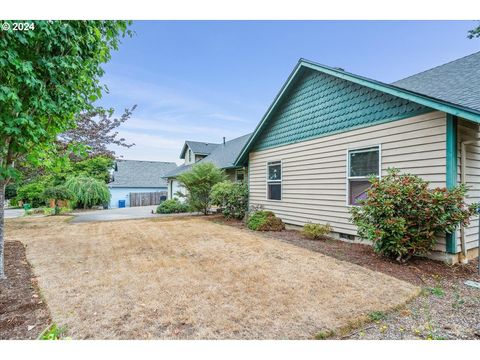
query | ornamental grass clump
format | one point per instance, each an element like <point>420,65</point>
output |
<point>402,216</point>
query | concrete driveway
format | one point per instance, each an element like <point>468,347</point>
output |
<point>13,213</point>
<point>137,212</point>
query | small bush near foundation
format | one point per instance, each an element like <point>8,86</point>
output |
<point>401,215</point>
<point>316,231</point>
<point>172,206</point>
<point>265,221</point>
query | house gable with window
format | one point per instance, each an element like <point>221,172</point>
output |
<point>328,131</point>
<point>221,155</point>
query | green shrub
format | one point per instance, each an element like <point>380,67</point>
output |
<point>49,211</point>
<point>402,216</point>
<point>232,198</point>
<point>98,167</point>
<point>316,231</point>
<point>36,211</point>
<point>172,206</point>
<point>32,194</point>
<point>87,192</point>
<point>265,221</point>
<point>377,316</point>
<point>53,333</point>
<point>11,191</point>
<point>199,182</point>
<point>57,193</point>
<point>13,202</point>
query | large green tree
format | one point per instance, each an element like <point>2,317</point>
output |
<point>48,75</point>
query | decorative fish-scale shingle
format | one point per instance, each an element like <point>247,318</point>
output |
<point>319,104</point>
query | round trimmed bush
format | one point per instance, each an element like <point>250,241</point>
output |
<point>263,220</point>
<point>316,231</point>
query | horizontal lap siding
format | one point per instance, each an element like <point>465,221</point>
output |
<point>469,131</point>
<point>314,171</point>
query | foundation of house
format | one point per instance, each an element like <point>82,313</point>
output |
<point>447,258</point>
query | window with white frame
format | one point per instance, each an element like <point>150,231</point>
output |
<point>274,180</point>
<point>189,155</point>
<point>362,163</point>
<point>239,176</point>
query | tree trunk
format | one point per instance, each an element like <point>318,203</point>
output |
<point>2,226</point>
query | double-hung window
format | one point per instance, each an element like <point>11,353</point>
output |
<point>362,163</point>
<point>274,180</point>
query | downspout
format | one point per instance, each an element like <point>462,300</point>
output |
<point>451,172</point>
<point>463,180</point>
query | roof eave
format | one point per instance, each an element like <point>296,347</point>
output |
<point>433,103</point>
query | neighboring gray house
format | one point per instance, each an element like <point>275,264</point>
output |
<point>134,177</point>
<point>222,155</point>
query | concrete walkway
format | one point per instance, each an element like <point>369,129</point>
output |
<point>137,212</point>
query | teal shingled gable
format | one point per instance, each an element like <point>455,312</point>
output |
<point>319,104</point>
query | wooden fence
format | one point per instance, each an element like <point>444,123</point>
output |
<point>147,198</point>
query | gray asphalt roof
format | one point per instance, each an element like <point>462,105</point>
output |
<point>136,173</point>
<point>198,147</point>
<point>222,156</point>
<point>177,171</point>
<point>457,82</point>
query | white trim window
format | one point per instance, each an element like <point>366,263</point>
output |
<point>274,180</point>
<point>240,176</point>
<point>361,165</point>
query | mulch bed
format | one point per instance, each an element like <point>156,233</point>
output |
<point>447,308</point>
<point>23,313</point>
<point>415,271</point>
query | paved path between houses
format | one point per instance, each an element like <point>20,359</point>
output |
<point>136,212</point>
<point>13,213</point>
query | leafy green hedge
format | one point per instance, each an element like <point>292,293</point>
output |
<point>172,206</point>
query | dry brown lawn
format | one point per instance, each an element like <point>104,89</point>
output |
<point>191,278</point>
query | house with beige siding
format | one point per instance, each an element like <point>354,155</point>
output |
<point>222,155</point>
<point>327,130</point>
